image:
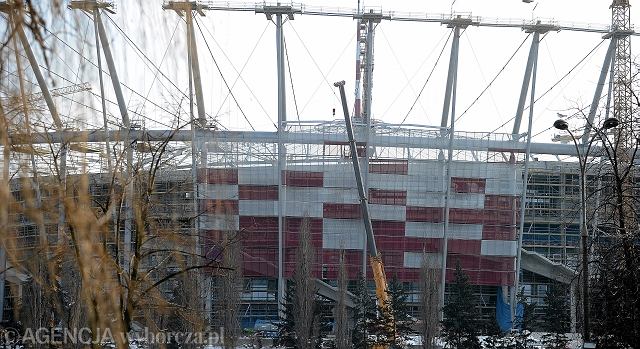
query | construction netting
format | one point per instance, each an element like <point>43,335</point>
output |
<point>246,192</point>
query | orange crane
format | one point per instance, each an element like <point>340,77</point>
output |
<point>375,259</point>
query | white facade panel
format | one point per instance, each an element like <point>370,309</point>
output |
<point>218,191</point>
<point>426,168</point>
<point>219,222</point>
<point>425,199</point>
<point>339,176</point>
<point>425,183</point>
<point>304,194</point>
<point>416,260</point>
<point>466,200</point>
<point>469,170</point>
<point>340,196</point>
<point>465,231</point>
<point>498,248</point>
<point>501,186</point>
<point>424,230</point>
<point>388,212</point>
<point>302,209</point>
<point>345,234</point>
<point>258,208</point>
<point>259,175</point>
<point>388,181</point>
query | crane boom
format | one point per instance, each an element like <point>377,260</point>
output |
<point>375,259</point>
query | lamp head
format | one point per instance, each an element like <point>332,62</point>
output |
<point>561,125</point>
<point>610,123</point>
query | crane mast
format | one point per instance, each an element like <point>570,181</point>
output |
<point>375,259</point>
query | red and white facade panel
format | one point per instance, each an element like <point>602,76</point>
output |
<point>407,211</point>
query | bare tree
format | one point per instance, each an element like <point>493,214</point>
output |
<point>231,282</point>
<point>343,331</point>
<point>304,301</point>
<point>429,303</point>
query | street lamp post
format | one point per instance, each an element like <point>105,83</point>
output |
<point>582,159</point>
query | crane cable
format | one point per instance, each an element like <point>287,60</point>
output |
<point>494,78</point>
<point>145,57</point>
<point>50,71</point>
<point>223,78</point>
<point>293,89</point>
<point>107,74</point>
<point>427,81</point>
<point>408,84</point>
<point>239,77</point>
<point>554,85</point>
<point>324,76</point>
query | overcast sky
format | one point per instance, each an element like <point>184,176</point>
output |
<point>321,50</point>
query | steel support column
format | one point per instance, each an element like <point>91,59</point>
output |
<point>531,61</point>
<point>279,12</point>
<point>102,98</point>
<point>450,105</point>
<point>115,81</point>
<point>606,68</point>
<point>195,69</point>
<point>46,94</point>
<point>525,180</point>
<point>453,66</point>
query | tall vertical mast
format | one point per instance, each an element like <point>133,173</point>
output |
<point>360,50</point>
<point>622,107</point>
<point>623,111</point>
<point>369,21</point>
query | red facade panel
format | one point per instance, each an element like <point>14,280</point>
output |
<point>468,185</point>
<point>465,247</point>
<point>499,217</point>
<point>211,243</point>
<point>219,207</point>
<point>292,228</point>
<point>425,214</point>
<point>413,244</point>
<point>218,175</point>
<point>341,211</point>
<point>388,197</point>
<point>330,263</point>
<point>502,202</point>
<point>256,224</point>
<point>259,236</point>
<point>466,216</point>
<point>258,192</point>
<point>303,178</point>
<point>499,232</point>
<point>389,228</point>
<point>481,263</point>
<point>390,167</point>
<point>294,225</point>
<point>485,278</point>
<point>260,262</point>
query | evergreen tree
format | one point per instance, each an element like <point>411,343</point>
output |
<point>364,314</point>
<point>286,326</point>
<point>528,320</point>
<point>525,323</point>
<point>556,316</point>
<point>398,300</point>
<point>322,321</point>
<point>381,329</point>
<point>460,325</point>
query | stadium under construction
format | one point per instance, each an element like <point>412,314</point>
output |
<point>494,203</point>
